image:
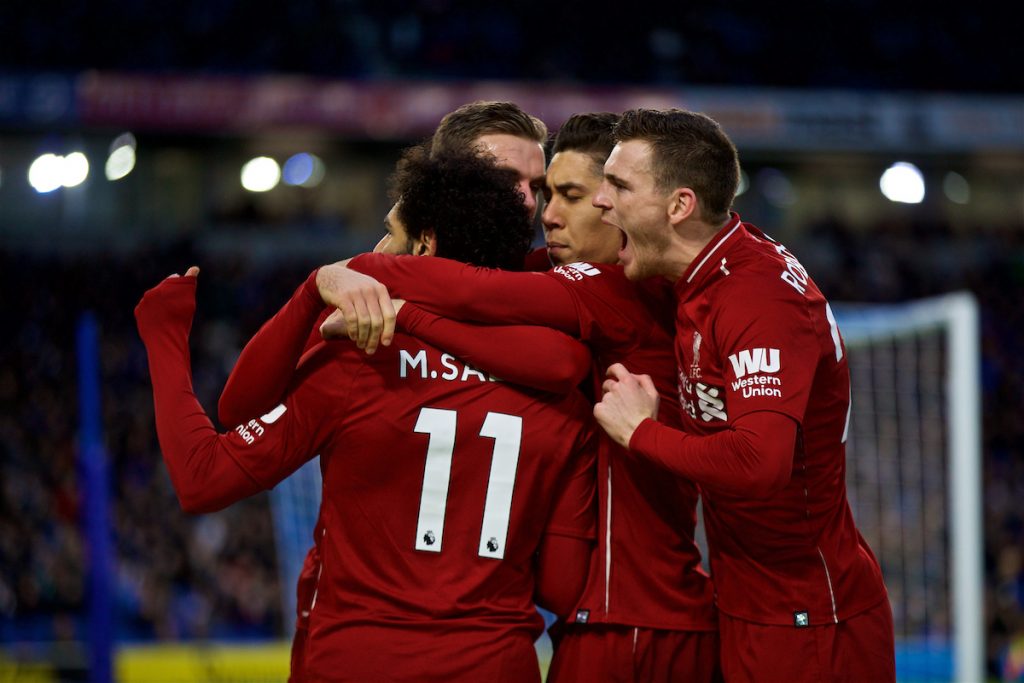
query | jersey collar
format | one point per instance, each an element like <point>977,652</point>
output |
<point>704,263</point>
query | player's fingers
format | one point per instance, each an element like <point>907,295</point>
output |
<point>389,314</point>
<point>193,271</point>
<point>618,371</point>
<point>364,319</point>
<point>334,326</point>
<point>608,385</point>
<point>359,322</point>
<point>647,384</point>
<point>375,326</point>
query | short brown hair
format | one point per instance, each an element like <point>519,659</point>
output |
<point>688,150</point>
<point>590,134</point>
<point>459,130</point>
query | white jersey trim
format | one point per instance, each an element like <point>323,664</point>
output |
<point>713,250</point>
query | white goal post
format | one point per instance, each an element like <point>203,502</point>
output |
<point>914,474</point>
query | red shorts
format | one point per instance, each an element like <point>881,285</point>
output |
<point>856,650</point>
<point>613,653</point>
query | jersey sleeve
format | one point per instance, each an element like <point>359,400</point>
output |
<point>266,365</point>
<point>529,355</point>
<point>752,458</point>
<point>209,470</point>
<point>574,512</point>
<point>769,355</point>
<point>464,292</point>
<point>612,312</point>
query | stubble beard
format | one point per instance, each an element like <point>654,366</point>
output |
<point>647,251</point>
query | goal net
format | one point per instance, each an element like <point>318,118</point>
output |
<point>913,476</point>
<point>913,463</point>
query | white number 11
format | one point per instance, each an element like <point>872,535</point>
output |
<point>507,432</point>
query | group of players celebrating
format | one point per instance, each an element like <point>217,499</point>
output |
<point>500,428</point>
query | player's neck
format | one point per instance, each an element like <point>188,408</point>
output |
<point>690,239</point>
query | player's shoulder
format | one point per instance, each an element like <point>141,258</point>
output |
<point>762,279</point>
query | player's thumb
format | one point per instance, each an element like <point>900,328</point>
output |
<point>193,271</point>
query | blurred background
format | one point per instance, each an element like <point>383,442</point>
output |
<point>882,142</point>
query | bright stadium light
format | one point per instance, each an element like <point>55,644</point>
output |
<point>121,161</point>
<point>74,169</point>
<point>903,182</point>
<point>260,174</point>
<point>46,173</point>
<point>956,188</point>
<point>304,170</point>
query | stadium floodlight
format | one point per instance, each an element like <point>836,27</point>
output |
<point>260,174</point>
<point>903,182</point>
<point>956,188</point>
<point>121,161</point>
<point>303,169</point>
<point>74,169</point>
<point>46,173</point>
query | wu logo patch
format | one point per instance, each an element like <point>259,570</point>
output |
<point>801,619</point>
<point>754,360</point>
<point>582,616</point>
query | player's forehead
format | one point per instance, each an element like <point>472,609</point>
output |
<point>572,167</point>
<point>630,161</point>
<point>525,157</point>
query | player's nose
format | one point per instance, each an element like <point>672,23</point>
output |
<point>602,199</point>
<point>550,218</point>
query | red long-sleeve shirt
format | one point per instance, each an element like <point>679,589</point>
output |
<point>440,486</point>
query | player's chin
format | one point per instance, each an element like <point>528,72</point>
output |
<point>559,254</point>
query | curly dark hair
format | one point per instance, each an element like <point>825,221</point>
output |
<point>472,206</point>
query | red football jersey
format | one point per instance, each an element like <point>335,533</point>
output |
<point>439,484</point>
<point>646,569</point>
<point>754,333</point>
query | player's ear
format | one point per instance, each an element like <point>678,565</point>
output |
<point>426,244</point>
<point>682,205</point>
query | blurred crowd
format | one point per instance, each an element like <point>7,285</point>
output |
<point>177,576</point>
<point>882,45</point>
<point>185,577</point>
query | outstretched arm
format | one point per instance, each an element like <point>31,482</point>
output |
<point>206,467</point>
<point>754,458</point>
